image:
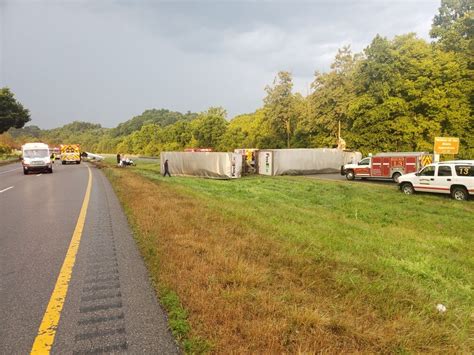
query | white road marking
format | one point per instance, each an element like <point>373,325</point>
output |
<point>39,174</point>
<point>8,171</point>
<point>8,188</point>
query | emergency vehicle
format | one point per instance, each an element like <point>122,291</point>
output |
<point>447,177</point>
<point>387,165</point>
<point>70,153</point>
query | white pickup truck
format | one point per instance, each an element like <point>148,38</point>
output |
<point>447,177</point>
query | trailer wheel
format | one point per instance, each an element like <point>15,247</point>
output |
<point>459,193</point>
<point>350,175</point>
<point>407,188</point>
<point>396,176</point>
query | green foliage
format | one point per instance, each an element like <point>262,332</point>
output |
<point>279,108</point>
<point>329,103</point>
<point>453,26</point>
<point>407,93</point>
<point>160,117</point>
<point>249,131</point>
<point>5,149</point>
<point>12,113</point>
<point>208,128</point>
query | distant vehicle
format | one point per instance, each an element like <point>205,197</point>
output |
<point>92,156</point>
<point>387,165</point>
<point>70,153</point>
<point>36,157</point>
<point>447,177</point>
<point>127,162</point>
<point>56,151</point>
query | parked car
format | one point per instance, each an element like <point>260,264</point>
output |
<point>447,177</point>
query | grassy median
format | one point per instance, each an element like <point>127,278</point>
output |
<point>290,264</point>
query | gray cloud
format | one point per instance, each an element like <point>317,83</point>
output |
<point>105,61</point>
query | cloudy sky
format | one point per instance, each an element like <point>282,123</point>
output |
<point>106,61</point>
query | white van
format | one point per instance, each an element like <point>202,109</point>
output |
<point>35,157</point>
<point>447,177</point>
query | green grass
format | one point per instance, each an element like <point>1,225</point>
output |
<point>399,254</point>
<point>403,254</point>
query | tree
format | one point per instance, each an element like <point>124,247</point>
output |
<point>329,103</point>
<point>453,26</point>
<point>160,117</point>
<point>12,113</point>
<point>407,93</point>
<point>279,108</point>
<point>248,131</point>
<point>209,127</point>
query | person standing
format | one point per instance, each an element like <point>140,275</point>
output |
<point>118,158</point>
<point>166,169</point>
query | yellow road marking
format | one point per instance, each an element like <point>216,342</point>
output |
<point>47,330</point>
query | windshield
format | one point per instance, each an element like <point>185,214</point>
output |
<point>36,153</point>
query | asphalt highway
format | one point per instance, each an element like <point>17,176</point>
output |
<point>108,304</point>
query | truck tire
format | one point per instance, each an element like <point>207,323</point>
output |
<point>350,175</point>
<point>78,162</point>
<point>459,193</point>
<point>395,176</point>
<point>407,188</point>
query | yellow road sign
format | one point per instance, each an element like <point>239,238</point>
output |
<point>446,145</point>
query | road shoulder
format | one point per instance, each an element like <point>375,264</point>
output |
<point>111,305</point>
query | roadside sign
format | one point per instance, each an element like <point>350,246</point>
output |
<point>446,145</point>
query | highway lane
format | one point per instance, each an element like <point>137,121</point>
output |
<point>110,305</point>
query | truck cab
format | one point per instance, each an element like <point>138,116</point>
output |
<point>361,169</point>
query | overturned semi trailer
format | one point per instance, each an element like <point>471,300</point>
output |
<point>304,161</point>
<point>211,165</point>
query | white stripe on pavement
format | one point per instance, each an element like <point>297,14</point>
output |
<point>8,188</point>
<point>9,171</point>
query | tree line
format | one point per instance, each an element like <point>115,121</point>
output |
<point>397,95</point>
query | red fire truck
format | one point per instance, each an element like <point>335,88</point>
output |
<point>387,165</point>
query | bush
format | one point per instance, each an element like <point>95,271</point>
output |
<point>5,149</point>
